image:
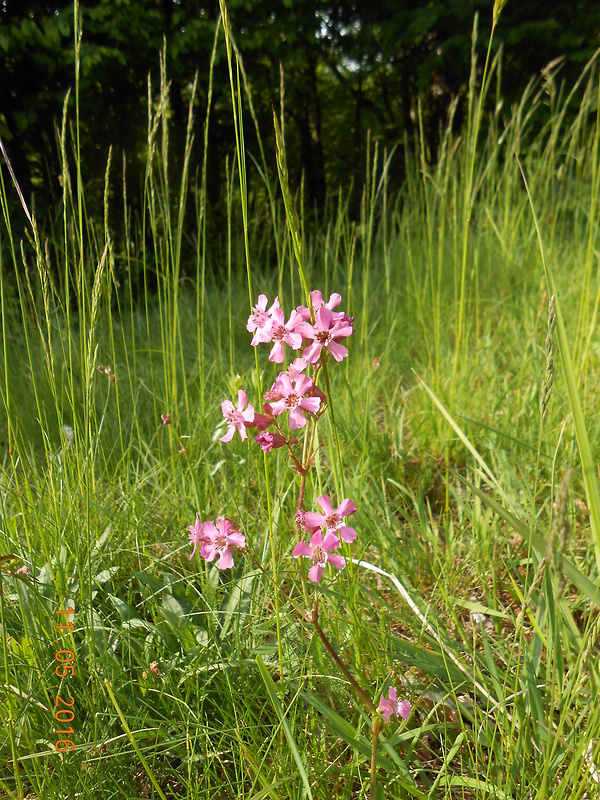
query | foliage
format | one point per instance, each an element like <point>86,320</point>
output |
<point>454,485</point>
<point>350,68</point>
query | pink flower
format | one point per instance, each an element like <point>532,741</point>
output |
<point>200,532</point>
<point>324,333</point>
<point>261,321</point>
<point>276,391</point>
<point>333,521</point>
<point>166,419</point>
<point>237,420</point>
<point>270,441</point>
<point>292,399</point>
<point>317,302</point>
<point>22,571</point>
<point>319,550</point>
<point>296,368</point>
<point>222,540</point>
<point>300,519</point>
<point>401,708</point>
<point>261,421</point>
<point>284,333</point>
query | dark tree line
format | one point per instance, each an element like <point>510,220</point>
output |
<point>350,67</point>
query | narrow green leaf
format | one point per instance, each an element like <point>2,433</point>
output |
<point>465,440</point>
<point>584,585</point>
<point>450,755</point>
<point>576,577</point>
<point>272,692</point>
<point>342,728</point>
<point>588,465</point>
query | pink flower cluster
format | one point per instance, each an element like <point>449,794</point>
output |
<point>216,539</point>
<point>329,326</point>
<point>331,531</point>
<point>293,390</point>
<point>318,333</point>
<point>393,706</point>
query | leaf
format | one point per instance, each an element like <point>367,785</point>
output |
<point>105,575</point>
<point>100,542</point>
<point>125,611</point>
<point>491,478</point>
<point>584,585</point>
<point>472,606</point>
<point>342,728</point>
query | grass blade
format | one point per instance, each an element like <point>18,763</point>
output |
<point>272,692</point>
<point>590,480</point>
<point>576,577</point>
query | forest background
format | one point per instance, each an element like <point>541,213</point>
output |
<point>351,69</point>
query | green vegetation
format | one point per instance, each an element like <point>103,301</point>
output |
<point>178,687</point>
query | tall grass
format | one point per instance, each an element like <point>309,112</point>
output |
<point>452,471</point>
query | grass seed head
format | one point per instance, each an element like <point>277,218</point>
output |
<point>560,530</point>
<point>548,380</point>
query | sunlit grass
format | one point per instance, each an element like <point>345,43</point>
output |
<point>503,707</point>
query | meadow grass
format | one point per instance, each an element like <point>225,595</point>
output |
<point>193,683</point>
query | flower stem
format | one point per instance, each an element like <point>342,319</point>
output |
<point>375,743</point>
<point>313,619</point>
<point>338,661</point>
<point>300,559</point>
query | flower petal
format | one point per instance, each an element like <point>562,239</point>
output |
<point>339,562</point>
<point>227,407</point>
<point>325,503</point>
<point>208,551</point>
<point>311,404</point>
<point>226,560</point>
<point>302,549</point>
<point>317,539</point>
<point>277,353</point>
<point>338,351</point>
<point>346,507</point>
<point>237,540</point>
<point>312,352</point>
<point>346,534</point>
<point>330,542</point>
<point>314,520</point>
<point>229,435</point>
<point>297,419</point>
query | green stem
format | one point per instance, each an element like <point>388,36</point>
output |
<point>335,429</point>
<point>375,743</point>
<point>313,619</point>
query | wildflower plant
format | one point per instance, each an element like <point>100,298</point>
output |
<point>304,342</point>
<point>296,404</point>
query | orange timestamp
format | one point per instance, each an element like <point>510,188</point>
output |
<point>64,713</point>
